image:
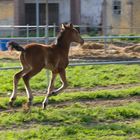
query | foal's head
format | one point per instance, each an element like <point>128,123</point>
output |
<point>71,33</point>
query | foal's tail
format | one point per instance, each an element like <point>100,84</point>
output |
<point>13,45</point>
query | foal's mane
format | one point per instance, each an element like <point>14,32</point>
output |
<point>59,38</point>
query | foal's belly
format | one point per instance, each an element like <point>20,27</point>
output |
<point>51,64</point>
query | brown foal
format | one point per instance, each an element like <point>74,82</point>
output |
<point>34,57</point>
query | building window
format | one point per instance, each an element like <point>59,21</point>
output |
<point>117,7</point>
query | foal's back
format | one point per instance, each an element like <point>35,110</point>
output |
<point>36,55</point>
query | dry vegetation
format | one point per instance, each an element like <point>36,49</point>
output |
<point>93,50</point>
<point>98,51</point>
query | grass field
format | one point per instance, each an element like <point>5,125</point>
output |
<point>105,114</point>
<point>108,109</point>
<point>80,76</point>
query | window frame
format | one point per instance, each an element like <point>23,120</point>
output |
<point>116,7</point>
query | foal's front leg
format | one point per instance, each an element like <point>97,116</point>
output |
<point>63,81</point>
<point>52,92</point>
<point>50,89</point>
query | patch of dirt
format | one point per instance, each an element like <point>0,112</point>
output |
<point>114,102</point>
<point>98,102</point>
<point>9,54</point>
<point>98,88</point>
<point>34,125</point>
<point>134,48</point>
<point>94,51</point>
<point>71,90</point>
<point>97,51</point>
<point>92,45</point>
<point>94,102</point>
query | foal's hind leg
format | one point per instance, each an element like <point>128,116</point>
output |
<point>17,77</point>
<point>26,79</point>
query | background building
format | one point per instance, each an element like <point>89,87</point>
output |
<point>22,12</point>
<point>121,16</point>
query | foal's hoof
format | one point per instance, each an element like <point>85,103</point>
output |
<point>26,106</point>
<point>44,105</point>
<point>10,104</point>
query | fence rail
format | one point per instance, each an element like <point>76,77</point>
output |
<point>14,35</point>
<point>46,38</point>
<point>86,38</point>
<point>85,64</point>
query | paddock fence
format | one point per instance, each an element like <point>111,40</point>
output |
<point>27,34</point>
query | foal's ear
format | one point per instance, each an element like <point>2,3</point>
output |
<point>71,25</point>
<point>63,26</point>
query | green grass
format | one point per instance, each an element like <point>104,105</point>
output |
<point>79,76</point>
<point>77,96</point>
<point>77,121</point>
<point>69,117</point>
<point>116,131</point>
<point>77,115</point>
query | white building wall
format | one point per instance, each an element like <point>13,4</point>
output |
<point>64,11</point>
<point>91,11</point>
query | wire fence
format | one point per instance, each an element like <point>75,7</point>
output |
<point>27,34</point>
<point>84,64</point>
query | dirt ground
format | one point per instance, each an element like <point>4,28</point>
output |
<point>94,51</point>
<point>97,51</point>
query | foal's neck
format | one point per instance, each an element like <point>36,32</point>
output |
<point>63,45</point>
